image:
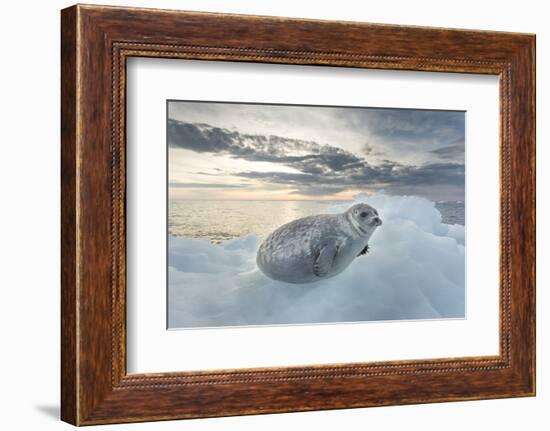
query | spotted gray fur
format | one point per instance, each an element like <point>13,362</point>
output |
<point>317,247</point>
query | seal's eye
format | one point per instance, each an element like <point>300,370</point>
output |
<point>364,214</point>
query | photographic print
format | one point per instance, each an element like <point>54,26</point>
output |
<point>298,214</point>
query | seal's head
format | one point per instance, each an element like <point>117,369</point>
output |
<point>364,218</point>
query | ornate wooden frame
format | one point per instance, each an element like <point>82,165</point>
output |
<point>95,43</point>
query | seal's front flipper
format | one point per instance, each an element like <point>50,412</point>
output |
<point>364,251</point>
<point>323,261</point>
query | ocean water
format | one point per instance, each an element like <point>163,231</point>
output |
<point>451,212</point>
<point>220,221</point>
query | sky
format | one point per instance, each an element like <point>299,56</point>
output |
<point>294,152</point>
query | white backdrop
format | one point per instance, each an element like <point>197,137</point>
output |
<point>29,220</point>
<point>151,348</point>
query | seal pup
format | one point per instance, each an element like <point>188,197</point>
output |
<point>317,247</point>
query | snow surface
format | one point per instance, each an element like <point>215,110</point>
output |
<point>414,270</point>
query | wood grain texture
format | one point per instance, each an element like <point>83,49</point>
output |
<point>69,366</point>
<point>96,41</point>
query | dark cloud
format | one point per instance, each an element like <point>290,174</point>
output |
<point>313,157</point>
<point>210,174</point>
<point>317,190</point>
<point>320,168</point>
<point>451,152</point>
<point>368,150</point>
<point>280,177</point>
<point>384,175</point>
<point>205,186</point>
<point>407,125</point>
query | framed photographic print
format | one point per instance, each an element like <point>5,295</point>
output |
<point>279,215</point>
<point>272,226</point>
